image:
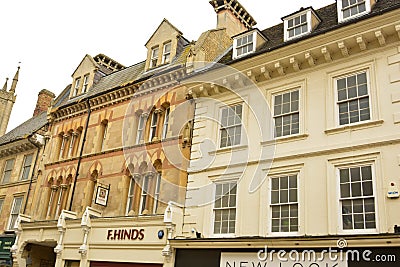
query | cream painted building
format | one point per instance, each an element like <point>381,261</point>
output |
<point>296,142</point>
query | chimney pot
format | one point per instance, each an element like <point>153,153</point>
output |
<point>43,102</point>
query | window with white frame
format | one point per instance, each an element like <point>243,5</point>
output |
<point>225,208</point>
<point>231,125</point>
<point>72,144</point>
<point>85,83</point>
<point>286,113</point>
<point>140,129</point>
<point>150,193</point>
<point>131,195</point>
<point>297,26</point>
<point>26,167</point>
<point>165,124</point>
<point>244,45</point>
<point>154,57</point>
<point>64,140</point>
<point>76,86</point>
<point>153,126</point>
<point>15,210</point>
<point>353,98</point>
<point>166,53</point>
<point>8,167</point>
<point>357,201</point>
<point>284,204</point>
<point>352,8</point>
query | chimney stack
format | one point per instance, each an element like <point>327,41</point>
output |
<point>232,16</point>
<point>44,101</point>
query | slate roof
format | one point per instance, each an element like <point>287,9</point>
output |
<point>25,129</point>
<point>329,22</point>
<point>33,124</point>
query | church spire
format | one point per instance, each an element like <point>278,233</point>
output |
<point>5,85</point>
<point>15,80</point>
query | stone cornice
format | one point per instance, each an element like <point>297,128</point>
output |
<point>119,95</point>
<point>16,147</point>
<point>305,55</point>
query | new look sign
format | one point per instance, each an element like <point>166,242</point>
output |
<point>281,259</point>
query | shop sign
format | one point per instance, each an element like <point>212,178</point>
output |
<point>125,234</point>
<point>5,245</point>
<point>102,195</point>
<point>281,259</point>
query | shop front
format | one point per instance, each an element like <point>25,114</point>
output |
<point>320,253</point>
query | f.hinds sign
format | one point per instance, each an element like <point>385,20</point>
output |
<point>125,234</point>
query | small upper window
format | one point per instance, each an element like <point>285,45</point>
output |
<point>244,45</point>
<point>352,8</point>
<point>76,86</point>
<point>300,23</point>
<point>85,83</point>
<point>26,167</point>
<point>7,170</point>
<point>154,57</point>
<point>166,53</point>
<point>231,126</point>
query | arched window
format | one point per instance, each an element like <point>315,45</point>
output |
<point>165,123</point>
<point>153,126</point>
<point>140,128</point>
<point>103,135</point>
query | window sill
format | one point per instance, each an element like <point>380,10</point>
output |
<point>285,139</point>
<point>228,149</point>
<point>354,127</point>
<point>358,232</point>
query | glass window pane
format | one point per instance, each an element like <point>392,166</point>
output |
<point>284,182</point>
<point>366,173</point>
<point>345,190</point>
<point>344,176</point>
<point>356,190</point>
<point>355,174</point>
<point>283,196</point>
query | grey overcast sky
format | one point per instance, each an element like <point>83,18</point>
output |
<point>50,38</point>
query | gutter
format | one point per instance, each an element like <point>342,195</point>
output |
<point>33,173</point>
<point>80,155</point>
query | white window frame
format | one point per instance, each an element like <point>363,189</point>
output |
<point>337,113</point>
<point>154,57</point>
<point>338,197</point>
<point>76,86</point>
<point>298,112</point>
<point>59,202</point>
<point>166,123</point>
<point>144,193</point>
<point>222,182</point>
<point>131,195</point>
<point>153,126</point>
<point>288,175</point>
<point>166,57</point>
<point>236,47</point>
<point>72,144</point>
<point>140,128</point>
<point>85,83</point>
<point>340,11</point>
<point>8,171</point>
<point>14,212</point>
<point>24,167</point>
<point>308,14</point>
<point>221,127</point>
<point>156,198</point>
<point>64,141</point>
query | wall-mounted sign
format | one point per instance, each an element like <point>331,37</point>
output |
<point>102,195</point>
<point>125,234</point>
<point>393,191</point>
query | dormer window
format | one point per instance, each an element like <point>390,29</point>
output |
<point>300,23</point>
<point>297,26</point>
<point>76,86</point>
<point>247,43</point>
<point>244,45</point>
<point>166,53</point>
<point>348,9</point>
<point>154,57</point>
<point>85,83</point>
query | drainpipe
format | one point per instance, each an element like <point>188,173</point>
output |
<point>33,173</point>
<point>80,155</point>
